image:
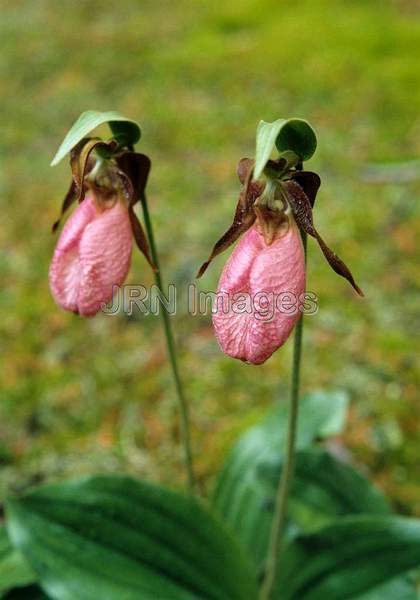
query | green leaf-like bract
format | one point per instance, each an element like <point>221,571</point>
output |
<point>349,559</point>
<point>115,538</point>
<point>295,135</point>
<point>124,130</point>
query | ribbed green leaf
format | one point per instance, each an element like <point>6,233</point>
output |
<point>295,135</point>
<point>400,588</point>
<point>349,559</point>
<point>115,538</point>
<point>126,131</point>
<point>14,569</point>
<point>324,487</point>
<point>321,414</point>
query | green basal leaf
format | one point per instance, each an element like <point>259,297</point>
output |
<point>119,539</point>
<point>334,422</point>
<point>399,588</point>
<point>349,559</point>
<point>323,488</point>
<point>293,135</point>
<point>125,131</point>
<point>243,496</point>
<point>14,569</point>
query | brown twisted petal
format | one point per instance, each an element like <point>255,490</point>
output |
<point>80,163</point>
<point>244,216</point>
<point>126,185</point>
<point>140,237</point>
<point>309,182</point>
<point>69,198</point>
<point>302,211</point>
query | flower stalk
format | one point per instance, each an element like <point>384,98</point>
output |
<point>286,479</point>
<point>170,344</point>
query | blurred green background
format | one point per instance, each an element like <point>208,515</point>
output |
<point>81,395</point>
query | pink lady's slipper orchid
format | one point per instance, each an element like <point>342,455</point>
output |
<point>93,254</point>
<point>261,291</point>
<point>271,281</point>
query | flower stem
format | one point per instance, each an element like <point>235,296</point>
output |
<point>170,344</point>
<point>285,483</point>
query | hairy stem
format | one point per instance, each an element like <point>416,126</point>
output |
<point>285,483</point>
<point>170,344</point>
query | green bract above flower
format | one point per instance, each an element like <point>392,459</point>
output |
<point>125,131</point>
<point>293,135</point>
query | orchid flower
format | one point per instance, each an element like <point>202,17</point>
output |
<point>269,262</point>
<point>93,254</point>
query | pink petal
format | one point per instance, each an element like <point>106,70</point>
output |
<point>264,273</point>
<point>93,255</point>
<point>105,258</point>
<point>64,275</point>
